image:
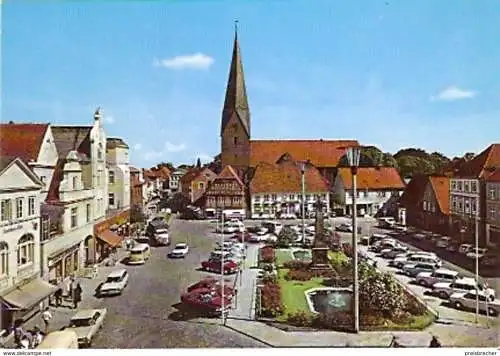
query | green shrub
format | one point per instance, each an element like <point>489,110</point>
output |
<point>297,265</point>
<point>298,275</point>
<point>341,321</point>
<point>299,318</point>
<point>271,300</point>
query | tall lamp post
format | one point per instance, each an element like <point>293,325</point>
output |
<point>353,155</point>
<point>477,264</point>
<point>303,211</point>
<point>223,316</point>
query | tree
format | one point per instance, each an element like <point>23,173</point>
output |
<point>373,155</point>
<point>389,161</point>
<point>286,237</point>
<point>177,203</point>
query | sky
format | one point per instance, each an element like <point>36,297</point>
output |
<point>413,73</point>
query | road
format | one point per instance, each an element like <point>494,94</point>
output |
<point>144,315</point>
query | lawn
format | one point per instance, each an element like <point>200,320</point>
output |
<point>282,256</point>
<point>292,294</point>
<point>337,257</point>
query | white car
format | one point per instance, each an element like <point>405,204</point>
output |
<point>428,279</point>
<point>344,228</point>
<point>443,242</point>
<point>419,236</point>
<point>462,285</point>
<point>180,250</point>
<point>115,283</point>
<point>476,252</point>
<point>413,269</point>
<point>393,252</point>
<point>467,301</point>
<point>262,231</point>
<point>420,256</point>
<point>86,324</point>
<point>464,248</point>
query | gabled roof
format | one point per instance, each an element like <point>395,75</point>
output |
<point>133,169</point>
<point>441,188</point>
<point>372,178</point>
<point>236,100</point>
<point>414,191</point>
<point>114,142</point>
<point>195,173</point>
<point>57,177</point>
<point>494,177</point>
<point>229,173</point>
<point>69,138</point>
<point>321,153</point>
<point>6,162</point>
<point>22,140</point>
<point>150,174</point>
<point>286,177</point>
<point>481,165</point>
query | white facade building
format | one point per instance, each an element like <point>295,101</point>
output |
<point>118,174</point>
<point>268,204</point>
<point>20,192</point>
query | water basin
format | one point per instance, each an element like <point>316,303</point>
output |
<point>329,299</point>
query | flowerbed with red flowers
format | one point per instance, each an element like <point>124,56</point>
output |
<point>271,299</point>
<point>267,255</point>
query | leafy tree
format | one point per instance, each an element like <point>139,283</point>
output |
<point>177,203</point>
<point>286,237</point>
<point>389,161</point>
<point>373,154</point>
<point>415,152</point>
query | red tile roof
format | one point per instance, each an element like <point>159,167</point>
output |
<point>229,173</point>
<point>480,166</point>
<point>321,153</point>
<point>373,178</point>
<point>441,187</point>
<point>494,177</point>
<point>151,174</point>
<point>22,140</point>
<point>286,177</point>
<point>414,191</point>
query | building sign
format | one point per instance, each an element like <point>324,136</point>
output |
<point>117,219</point>
<point>12,228</point>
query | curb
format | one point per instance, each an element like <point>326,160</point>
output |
<point>250,336</point>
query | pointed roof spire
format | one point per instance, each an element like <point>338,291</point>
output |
<point>236,100</point>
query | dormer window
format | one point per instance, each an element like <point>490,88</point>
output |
<point>235,140</point>
<point>74,182</point>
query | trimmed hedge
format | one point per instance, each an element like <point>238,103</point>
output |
<point>298,275</point>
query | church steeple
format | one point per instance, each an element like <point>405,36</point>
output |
<point>236,101</point>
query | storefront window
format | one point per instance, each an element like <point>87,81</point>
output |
<point>75,261</point>
<point>25,250</point>
<point>68,265</point>
<point>4,259</point>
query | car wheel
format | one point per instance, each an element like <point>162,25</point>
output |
<point>443,295</point>
<point>458,305</point>
<point>492,311</point>
<point>423,283</point>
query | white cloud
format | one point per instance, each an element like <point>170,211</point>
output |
<point>191,61</point>
<point>137,147</point>
<point>109,119</point>
<point>170,147</point>
<point>153,155</point>
<point>453,93</point>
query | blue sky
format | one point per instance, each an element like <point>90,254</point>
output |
<point>414,73</point>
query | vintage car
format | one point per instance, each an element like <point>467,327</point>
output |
<point>86,324</point>
<point>215,265</point>
<point>115,283</point>
<point>206,301</point>
<point>468,300</point>
<point>213,284</point>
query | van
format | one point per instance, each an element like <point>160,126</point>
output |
<point>64,339</point>
<point>272,226</point>
<point>139,254</point>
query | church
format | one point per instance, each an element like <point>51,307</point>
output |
<point>271,170</point>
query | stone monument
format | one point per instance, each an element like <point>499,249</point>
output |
<point>320,248</point>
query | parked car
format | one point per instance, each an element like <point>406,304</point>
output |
<point>190,214</point>
<point>452,247</point>
<point>115,283</point>
<point>467,301</point>
<point>215,265</point>
<point>400,228</point>
<point>462,285</point>
<point>393,252</point>
<point>418,236</point>
<point>180,250</point>
<point>344,227</point>
<point>288,216</point>
<point>242,236</point>
<point>465,248</point>
<point>413,269</point>
<point>86,323</point>
<point>386,222</point>
<point>428,279</point>
<point>476,252</point>
<point>379,246</point>
<point>419,256</point>
<point>443,242</point>
<point>206,301</point>
<point>211,283</point>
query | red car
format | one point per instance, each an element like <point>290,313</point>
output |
<point>205,301</point>
<point>216,266</point>
<point>212,284</point>
<point>242,236</point>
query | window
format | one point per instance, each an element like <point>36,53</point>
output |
<point>492,193</point>
<point>425,205</point>
<point>43,179</point>
<point>201,185</point>
<point>493,213</point>
<point>4,259</point>
<point>89,215</point>
<point>111,177</point>
<point>235,140</point>
<point>274,197</point>
<point>459,186</point>
<point>25,250</point>
<point>453,185</point>
<point>365,194</point>
<point>74,217</point>
<point>6,207</point>
<point>19,208</point>
<point>467,206</point>
<point>460,206</point>
<point>474,187</point>
<point>31,206</point>
<point>466,187</point>
<point>111,198</point>
<point>291,196</point>
<point>473,206</point>
<point>74,183</point>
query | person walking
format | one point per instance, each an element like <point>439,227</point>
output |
<point>58,297</point>
<point>435,342</point>
<point>77,295</point>
<point>46,317</point>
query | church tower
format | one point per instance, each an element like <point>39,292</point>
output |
<point>235,125</point>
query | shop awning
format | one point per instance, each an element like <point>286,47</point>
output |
<point>26,296</point>
<point>110,238</point>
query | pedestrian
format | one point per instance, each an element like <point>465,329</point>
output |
<point>435,342</point>
<point>58,296</point>
<point>46,317</point>
<point>37,337</point>
<point>18,332</point>
<point>77,295</point>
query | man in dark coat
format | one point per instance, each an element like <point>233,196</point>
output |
<point>77,295</point>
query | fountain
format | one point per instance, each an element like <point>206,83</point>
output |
<point>329,299</point>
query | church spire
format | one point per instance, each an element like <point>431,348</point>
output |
<point>236,100</point>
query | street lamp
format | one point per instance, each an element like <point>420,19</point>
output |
<point>221,211</point>
<point>353,155</point>
<point>303,183</point>
<point>477,264</point>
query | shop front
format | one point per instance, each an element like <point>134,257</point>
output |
<point>108,235</point>
<point>63,264</point>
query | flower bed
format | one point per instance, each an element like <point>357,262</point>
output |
<point>267,255</point>
<point>271,299</point>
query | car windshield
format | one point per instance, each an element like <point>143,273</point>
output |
<point>80,322</point>
<point>113,279</point>
<point>180,247</point>
<point>136,252</point>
